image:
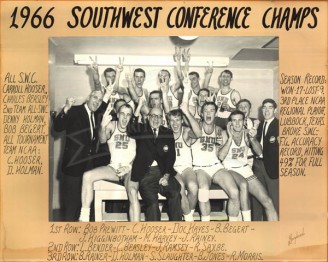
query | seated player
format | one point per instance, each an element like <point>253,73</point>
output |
<point>183,164</point>
<point>234,157</point>
<point>114,133</point>
<point>208,167</point>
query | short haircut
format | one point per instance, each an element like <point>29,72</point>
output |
<point>207,103</point>
<point>96,91</point>
<point>164,70</point>
<point>124,105</point>
<point>236,112</point>
<point>204,89</point>
<point>108,70</point>
<point>175,113</point>
<point>271,101</point>
<point>244,100</point>
<point>194,73</point>
<point>139,70</point>
<point>227,72</point>
<point>118,101</point>
<point>156,92</point>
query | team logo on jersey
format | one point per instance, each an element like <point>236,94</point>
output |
<point>272,139</point>
<point>165,148</point>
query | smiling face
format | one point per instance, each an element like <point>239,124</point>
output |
<point>155,117</point>
<point>94,100</point>
<point>139,78</point>
<point>268,111</point>
<point>209,113</point>
<point>225,79</point>
<point>245,108</point>
<point>194,81</point>
<point>176,123</point>
<point>202,95</point>
<point>124,115</point>
<point>237,121</point>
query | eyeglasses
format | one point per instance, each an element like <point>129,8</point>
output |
<point>155,116</point>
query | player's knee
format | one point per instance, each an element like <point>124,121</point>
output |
<point>243,186</point>
<point>234,193</point>
<point>192,188</point>
<point>87,177</point>
<point>203,195</point>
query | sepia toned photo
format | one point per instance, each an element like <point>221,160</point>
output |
<point>217,159</point>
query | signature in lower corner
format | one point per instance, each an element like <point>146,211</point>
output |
<point>293,237</point>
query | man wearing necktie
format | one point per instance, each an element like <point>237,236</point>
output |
<point>80,124</point>
<point>153,164</point>
<point>268,163</point>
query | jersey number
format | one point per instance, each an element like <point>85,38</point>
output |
<point>236,156</point>
<point>207,147</point>
<point>121,145</point>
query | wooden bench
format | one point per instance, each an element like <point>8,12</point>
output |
<point>105,190</point>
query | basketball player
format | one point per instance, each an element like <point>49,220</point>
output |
<point>114,133</point>
<point>234,157</point>
<point>208,167</point>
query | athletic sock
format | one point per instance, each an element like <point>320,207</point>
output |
<point>246,215</point>
<point>85,214</point>
<point>189,217</point>
<point>233,219</point>
<point>206,218</point>
<point>240,217</point>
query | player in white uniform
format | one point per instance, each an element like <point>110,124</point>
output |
<point>123,150</point>
<point>183,163</point>
<point>208,167</point>
<point>135,88</point>
<point>226,97</point>
<point>173,90</point>
<point>234,156</point>
<point>202,97</point>
<point>113,90</point>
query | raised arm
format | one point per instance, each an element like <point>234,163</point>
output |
<point>131,86</point>
<point>254,143</point>
<point>223,150</point>
<point>95,73</point>
<point>195,131</point>
<point>62,119</point>
<point>106,126</point>
<point>208,75</point>
<point>164,87</point>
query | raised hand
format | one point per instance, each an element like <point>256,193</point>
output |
<point>68,104</point>
<point>209,69</point>
<point>256,124</point>
<point>211,97</point>
<point>119,67</point>
<point>186,55</point>
<point>110,88</point>
<point>94,68</point>
<point>107,117</point>
<point>229,129</point>
<point>177,54</point>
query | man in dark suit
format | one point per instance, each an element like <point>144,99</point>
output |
<point>153,164</point>
<point>80,123</point>
<point>268,136</point>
